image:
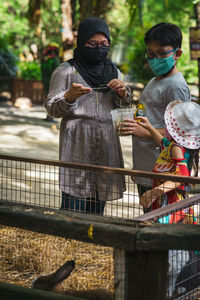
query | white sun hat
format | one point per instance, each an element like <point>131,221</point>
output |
<point>182,120</point>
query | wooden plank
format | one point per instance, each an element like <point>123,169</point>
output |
<point>138,275</point>
<point>15,292</point>
<point>146,275</point>
<point>168,236</point>
<point>104,169</point>
<point>67,225</point>
<point>140,236</point>
<point>164,211</point>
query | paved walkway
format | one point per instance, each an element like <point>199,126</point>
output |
<point>23,132</point>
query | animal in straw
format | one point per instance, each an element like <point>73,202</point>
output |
<point>51,282</point>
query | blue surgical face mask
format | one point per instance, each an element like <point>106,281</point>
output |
<point>162,66</point>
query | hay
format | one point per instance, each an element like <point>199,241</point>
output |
<point>26,255</point>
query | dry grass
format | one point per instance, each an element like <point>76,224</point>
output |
<point>26,255</point>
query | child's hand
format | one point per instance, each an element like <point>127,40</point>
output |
<point>144,122</point>
<point>150,196</point>
<point>119,87</point>
<point>76,90</point>
<point>146,199</point>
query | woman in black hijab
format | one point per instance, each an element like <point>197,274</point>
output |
<point>83,91</point>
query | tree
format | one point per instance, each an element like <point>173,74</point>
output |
<point>34,15</point>
<point>66,28</point>
<point>24,23</point>
<point>179,12</point>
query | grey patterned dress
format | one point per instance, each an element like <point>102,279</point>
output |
<point>86,136</point>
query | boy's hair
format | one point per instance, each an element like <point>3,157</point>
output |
<point>165,34</point>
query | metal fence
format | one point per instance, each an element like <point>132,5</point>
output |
<point>113,198</point>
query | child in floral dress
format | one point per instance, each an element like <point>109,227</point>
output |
<point>180,154</point>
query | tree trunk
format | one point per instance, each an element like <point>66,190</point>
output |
<point>34,15</point>
<point>85,9</point>
<point>94,8</point>
<point>101,7</point>
<point>67,32</point>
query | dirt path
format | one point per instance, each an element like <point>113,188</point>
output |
<point>24,132</point>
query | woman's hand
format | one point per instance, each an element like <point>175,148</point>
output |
<point>76,90</point>
<point>119,87</point>
<point>150,196</point>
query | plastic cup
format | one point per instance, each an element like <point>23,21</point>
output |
<point>118,116</point>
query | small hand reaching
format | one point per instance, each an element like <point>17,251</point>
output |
<point>76,90</point>
<point>144,122</point>
<point>119,87</point>
<point>150,196</point>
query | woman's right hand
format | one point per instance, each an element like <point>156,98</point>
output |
<point>76,90</point>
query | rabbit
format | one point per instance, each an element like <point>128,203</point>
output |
<point>50,282</point>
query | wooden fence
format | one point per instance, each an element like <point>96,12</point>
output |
<point>144,245</point>
<point>32,89</point>
<point>141,243</point>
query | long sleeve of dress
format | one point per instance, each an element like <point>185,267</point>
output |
<point>55,104</point>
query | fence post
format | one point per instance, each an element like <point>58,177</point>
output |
<point>140,275</point>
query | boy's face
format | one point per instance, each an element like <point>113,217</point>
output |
<point>155,50</point>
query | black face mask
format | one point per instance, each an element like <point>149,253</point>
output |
<point>94,55</point>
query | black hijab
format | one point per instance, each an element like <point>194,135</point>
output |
<point>91,63</point>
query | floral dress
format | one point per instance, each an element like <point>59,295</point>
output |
<point>169,165</point>
<point>179,273</point>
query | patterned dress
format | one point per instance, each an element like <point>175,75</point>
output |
<point>87,136</point>
<point>169,165</point>
<point>183,264</point>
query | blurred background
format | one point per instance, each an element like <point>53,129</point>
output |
<point>28,26</point>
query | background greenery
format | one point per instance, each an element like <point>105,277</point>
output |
<point>23,25</point>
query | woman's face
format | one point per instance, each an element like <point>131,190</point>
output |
<point>97,40</point>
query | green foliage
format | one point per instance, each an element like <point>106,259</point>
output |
<point>29,70</point>
<point>128,21</point>
<point>15,25</point>
<point>51,22</point>
<point>16,31</point>
<point>139,69</point>
<point>7,64</point>
<point>179,12</point>
<point>7,60</point>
